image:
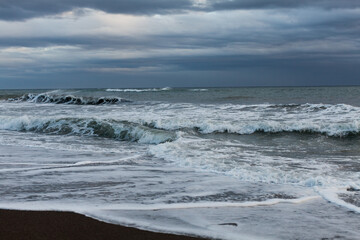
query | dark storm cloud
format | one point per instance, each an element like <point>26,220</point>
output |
<point>344,26</point>
<point>188,72</point>
<point>265,4</point>
<point>307,42</point>
<point>20,9</point>
<point>14,10</point>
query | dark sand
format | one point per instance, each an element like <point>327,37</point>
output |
<point>40,225</point>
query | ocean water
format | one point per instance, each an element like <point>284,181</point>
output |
<point>227,163</point>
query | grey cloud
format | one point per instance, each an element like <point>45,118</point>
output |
<point>265,4</point>
<point>317,46</point>
<point>14,10</point>
<point>20,10</point>
<point>189,71</point>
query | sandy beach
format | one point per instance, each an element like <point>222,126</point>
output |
<point>39,225</point>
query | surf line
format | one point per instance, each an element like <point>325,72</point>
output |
<point>156,207</point>
<point>331,195</point>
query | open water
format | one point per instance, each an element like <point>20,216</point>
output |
<point>228,163</point>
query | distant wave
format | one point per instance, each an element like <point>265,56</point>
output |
<point>139,90</point>
<point>198,90</point>
<point>118,130</point>
<point>67,99</point>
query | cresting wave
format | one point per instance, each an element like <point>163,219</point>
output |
<point>349,129</point>
<point>331,130</point>
<point>338,120</point>
<point>139,90</point>
<point>67,99</point>
<point>118,130</point>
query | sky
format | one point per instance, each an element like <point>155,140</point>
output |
<point>178,43</point>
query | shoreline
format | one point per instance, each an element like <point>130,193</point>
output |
<point>54,225</point>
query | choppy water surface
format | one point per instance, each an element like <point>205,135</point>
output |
<point>240,163</point>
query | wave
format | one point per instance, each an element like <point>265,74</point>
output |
<point>341,129</point>
<point>118,130</point>
<point>67,99</point>
<point>331,130</point>
<point>198,90</point>
<point>139,90</point>
<point>338,120</point>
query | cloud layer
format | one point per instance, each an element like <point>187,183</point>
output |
<point>124,42</point>
<point>20,10</point>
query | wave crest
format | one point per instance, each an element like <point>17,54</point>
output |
<point>67,99</point>
<point>118,130</point>
<point>139,89</point>
<point>331,129</point>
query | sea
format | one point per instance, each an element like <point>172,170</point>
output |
<point>223,163</point>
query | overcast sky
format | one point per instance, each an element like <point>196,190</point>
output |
<point>178,43</point>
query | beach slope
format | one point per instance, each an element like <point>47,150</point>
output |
<point>41,225</point>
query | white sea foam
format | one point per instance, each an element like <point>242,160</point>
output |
<point>198,90</point>
<point>156,207</point>
<point>332,120</point>
<point>138,90</point>
<point>332,195</point>
<point>210,204</point>
<point>121,160</point>
<point>338,120</point>
<point>234,159</point>
<point>49,97</point>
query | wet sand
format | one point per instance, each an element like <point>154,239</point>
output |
<point>51,225</point>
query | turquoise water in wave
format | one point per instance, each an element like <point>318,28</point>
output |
<point>275,163</point>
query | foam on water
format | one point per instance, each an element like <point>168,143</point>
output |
<point>332,195</point>
<point>239,161</point>
<point>199,90</point>
<point>332,120</point>
<point>157,207</point>
<point>67,99</point>
<point>247,166</point>
<point>111,162</point>
<point>139,90</point>
<point>221,170</point>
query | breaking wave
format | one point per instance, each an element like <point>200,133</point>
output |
<point>341,130</point>
<point>331,130</point>
<point>198,90</point>
<point>138,90</point>
<point>67,99</point>
<point>331,120</point>
<point>118,130</point>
